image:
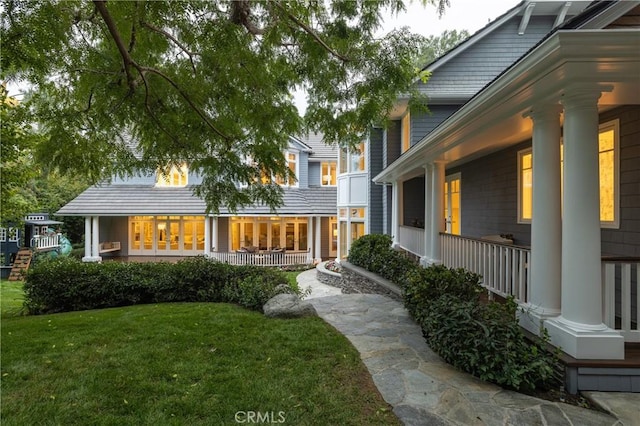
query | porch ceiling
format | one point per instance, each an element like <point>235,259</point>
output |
<point>496,117</point>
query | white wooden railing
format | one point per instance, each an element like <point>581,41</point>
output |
<point>412,239</point>
<point>620,296</point>
<point>265,258</point>
<point>504,267</point>
<point>45,242</point>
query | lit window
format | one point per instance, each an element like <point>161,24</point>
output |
<point>608,172</point>
<point>357,159</point>
<point>406,132</point>
<point>328,176</point>
<point>176,177</point>
<point>292,163</point>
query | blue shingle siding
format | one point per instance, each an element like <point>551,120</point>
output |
<point>314,177</point>
<point>475,67</point>
<point>625,241</point>
<point>422,123</point>
<point>376,147</point>
<point>489,187</point>
<point>303,170</point>
<point>413,202</point>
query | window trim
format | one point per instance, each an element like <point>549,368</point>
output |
<point>602,127</point>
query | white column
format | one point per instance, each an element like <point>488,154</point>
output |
<point>87,239</point>
<point>214,234</point>
<point>437,210</point>
<point>425,260</point>
<point>310,240</point>
<point>318,242</point>
<point>207,235</point>
<point>395,212</point>
<point>579,330</point>
<point>95,239</point>
<point>546,222</point>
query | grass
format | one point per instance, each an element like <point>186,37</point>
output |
<point>184,363</point>
<point>11,298</point>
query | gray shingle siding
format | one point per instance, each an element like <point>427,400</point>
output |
<point>314,174</point>
<point>115,229</point>
<point>625,241</point>
<point>393,145</point>
<point>413,202</point>
<point>303,170</point>
<point>223,234</point>
<point>422,123</point>
<point>376,148</point>
<point>324,238</point>
<point>475,67</point>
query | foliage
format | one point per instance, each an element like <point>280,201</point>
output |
<point>432,47</point>
<point>424,285</point>
<point>487,341</point>
<point>374,253</point>
<point>66,284</point>
<point>128,87</point>
<point>484,339</point>
<point>179,364</point>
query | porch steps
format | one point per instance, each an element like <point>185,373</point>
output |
<point>20,264</point>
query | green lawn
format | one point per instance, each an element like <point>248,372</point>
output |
<point>188,363</point>
<point>11,297</point>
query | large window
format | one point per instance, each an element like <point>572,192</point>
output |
<point>608,172</point>
<point>267,233</point>
<point>328,176</point>
<point>174,177</point>
<point>353,161</point>
<point>166,235</point>
<point>292,164</point>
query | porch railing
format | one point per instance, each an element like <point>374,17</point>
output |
<point>263,258</point>
<point>620,295</point>
<point>45,242</point>
<point>504,267</point>
<point>412,239</point>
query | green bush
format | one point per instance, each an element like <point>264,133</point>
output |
<point>487,341</point>
<point>373,252</point>
<point>428,284</point>
<point>66,284</point>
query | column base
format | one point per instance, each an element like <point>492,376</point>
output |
<point>92,259</point>
<point>583,341</point>
<point>532,318</point>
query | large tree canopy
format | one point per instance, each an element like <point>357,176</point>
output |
<point>206,82</point>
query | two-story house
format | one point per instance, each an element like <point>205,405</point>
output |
<point>158,216</point>
<point>527,171</point>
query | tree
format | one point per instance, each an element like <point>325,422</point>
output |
<point>126,87</point>
<point>433,47</point>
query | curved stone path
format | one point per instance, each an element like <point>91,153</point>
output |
<point>423,389</point>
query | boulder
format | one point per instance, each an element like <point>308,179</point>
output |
<point>288,306</point>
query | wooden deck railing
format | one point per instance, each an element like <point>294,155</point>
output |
<point>620,295</point>
<point>45,242</point>
<point>504,267</point>
<point>265,258</point>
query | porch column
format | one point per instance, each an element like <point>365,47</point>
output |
<point>207,235</point>
<point>310,239</point>
<point>318,241</point>
<point>546,222</point>
<point>95,240</point>
<point>214,234</point>
<point>395,212</point>
<point>425,260</point>
<point>437,210</point>
<point>87,239</point>
<point>580,330</point>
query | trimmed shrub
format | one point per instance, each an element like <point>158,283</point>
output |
<point>373,252</point>
<point>486,340</point>
<point>66,284</point>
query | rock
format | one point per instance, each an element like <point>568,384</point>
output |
<point>288,306</point>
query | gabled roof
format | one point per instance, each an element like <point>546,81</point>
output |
<point>319,149</point>
<point>146,200</point>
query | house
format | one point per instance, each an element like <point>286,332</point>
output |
<point>158,216</point>
<point>526,171</point>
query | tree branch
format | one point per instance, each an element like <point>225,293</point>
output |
<point>101,6</point>
<point>311,32</point>
<point>189,53</point>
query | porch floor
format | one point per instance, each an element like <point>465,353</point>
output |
<point>631,359</point>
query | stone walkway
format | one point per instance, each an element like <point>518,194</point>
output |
<point>423,389</point>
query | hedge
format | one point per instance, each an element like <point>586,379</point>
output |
<point>66,284</point>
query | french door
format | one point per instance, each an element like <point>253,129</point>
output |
<point>452,206</point>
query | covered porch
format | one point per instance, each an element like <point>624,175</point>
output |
<point>548,100</point>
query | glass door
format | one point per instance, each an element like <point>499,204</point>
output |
<point>452,207</point>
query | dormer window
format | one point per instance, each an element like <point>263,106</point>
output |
<point>292,163</point>
<point>176,177</point>
<point>328,177</point>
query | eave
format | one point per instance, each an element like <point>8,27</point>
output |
<point>494,118</point>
